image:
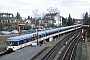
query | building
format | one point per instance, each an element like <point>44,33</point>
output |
<point>27,21</point>
<point>8,21</point>
<point>78,21</point>
<point>7,18</point>
<point>53,18</point>
<point>58,20</point>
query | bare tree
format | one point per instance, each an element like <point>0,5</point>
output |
<point>53,10</point>
<point>35,14</point>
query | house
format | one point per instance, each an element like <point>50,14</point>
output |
<point>53,18</point>
<point>78,21</point>
<point>7,18</point>
<point>27,21</point>
<point>58,20</point>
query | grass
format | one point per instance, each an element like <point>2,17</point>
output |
<point>3,39</point>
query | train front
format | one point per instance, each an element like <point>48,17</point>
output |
<point>12,45</point>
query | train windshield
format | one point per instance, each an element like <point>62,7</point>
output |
<point>12,43</point>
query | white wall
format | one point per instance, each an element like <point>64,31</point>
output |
<point>58,20</point>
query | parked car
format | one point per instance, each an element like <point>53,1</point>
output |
<point>14,31</point>
<point>31,30</point>
<point>41,29</point>
<point>34,44</point>
<point>23,31</point>
<point>6,32</point>
<point>0,32</point>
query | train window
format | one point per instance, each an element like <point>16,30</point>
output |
<point>33,38</point>
<point>22,41</point>
<point>40,36</point>
<point>44,35</point>
<point>34,35</point>
<point>59,30</point>
<point>27,40</point>
<point>12,43</point>
<point>16,43</point>
<point>48,33</point>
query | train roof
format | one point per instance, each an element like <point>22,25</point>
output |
<point>17,38</point>
<point>41,32</point>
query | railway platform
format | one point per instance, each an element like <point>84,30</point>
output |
<point>23,54</point>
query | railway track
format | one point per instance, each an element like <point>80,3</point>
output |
<point>67,53</point>
<point>51,53</point>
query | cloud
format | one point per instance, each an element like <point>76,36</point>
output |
<point>25,7</point>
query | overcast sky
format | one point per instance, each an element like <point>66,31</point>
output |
<point>25,7</point>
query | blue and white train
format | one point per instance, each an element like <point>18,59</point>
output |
<point>17,42</point>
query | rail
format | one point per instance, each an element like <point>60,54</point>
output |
<point>67,53</point>
<point>50,55</point>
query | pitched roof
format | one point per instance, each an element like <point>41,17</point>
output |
<point>6,14</point>
<point>8,18</point>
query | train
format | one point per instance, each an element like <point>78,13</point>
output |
<point>18,42</point>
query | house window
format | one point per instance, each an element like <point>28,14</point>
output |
<point>15,21</point>
<point>60,24</point>
<point>60,20</point>
<point>2,21</point>
<point>54,21</point>
<point>4,15</point>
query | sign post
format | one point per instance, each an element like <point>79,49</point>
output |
<point>84,36</point>
<point>83,32</point>
<point>37,32</point>
<point>19,25</point>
